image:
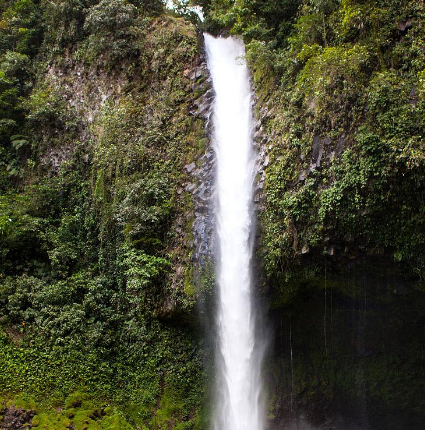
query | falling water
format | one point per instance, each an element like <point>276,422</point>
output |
<point>239,362</point>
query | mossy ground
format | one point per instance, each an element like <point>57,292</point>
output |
<point>77,411</point>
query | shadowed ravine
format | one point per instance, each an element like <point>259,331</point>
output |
<point>239,403</point>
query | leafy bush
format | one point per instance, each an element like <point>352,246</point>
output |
<point>112,28</point>
<point>44,105</point>
<point>21,27</point>
<point>143,275</point>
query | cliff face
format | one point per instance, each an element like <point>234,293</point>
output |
<point>100,178</point>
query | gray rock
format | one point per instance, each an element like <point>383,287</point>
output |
<point>303,176</point>
<point>190,167</point>
<point>316,147</point>
<point>208,155</point>
<point>332,250</point>
<point>190,187</point>
<point>201,191</point>
<point>319,157</point>
<point>16,419</point>
<point>404,26</point>
<point>340,145</point>
<point>413,96</point>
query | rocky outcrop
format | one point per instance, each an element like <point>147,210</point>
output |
<point>16,419</point>
<point>201,172</point>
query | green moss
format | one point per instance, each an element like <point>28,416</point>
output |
<point>188,284</point>
<point>78,410</point>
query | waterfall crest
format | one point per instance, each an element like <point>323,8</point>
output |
<point>239,403</point>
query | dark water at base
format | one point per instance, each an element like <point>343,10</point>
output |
<point>349,351</point>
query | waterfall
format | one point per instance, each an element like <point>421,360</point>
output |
<point>239,403</point>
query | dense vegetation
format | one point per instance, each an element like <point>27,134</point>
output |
<point>95,132</point>
<point>97,326</point>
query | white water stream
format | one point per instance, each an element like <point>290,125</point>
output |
<point>239,403</point>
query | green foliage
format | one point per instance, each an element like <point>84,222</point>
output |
<point>346,119</point>
<point>253,19</point>
<point>76,410</point>
<point>142,272</point>
<point>92,317</point>
<point>112,28</point>
<point>21,27</point>
<point>44,106</point>
<point>108,17</point>
<point>332,77</point>
<point>68,24</point>
<point>20,37</point>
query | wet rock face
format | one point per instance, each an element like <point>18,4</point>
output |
<point>203,225</point>
<point>53,158</point>
<point>16,419</point>
<point>201,171</point>
<point>262,161</point>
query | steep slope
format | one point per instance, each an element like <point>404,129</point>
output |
<point>97,297</point>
